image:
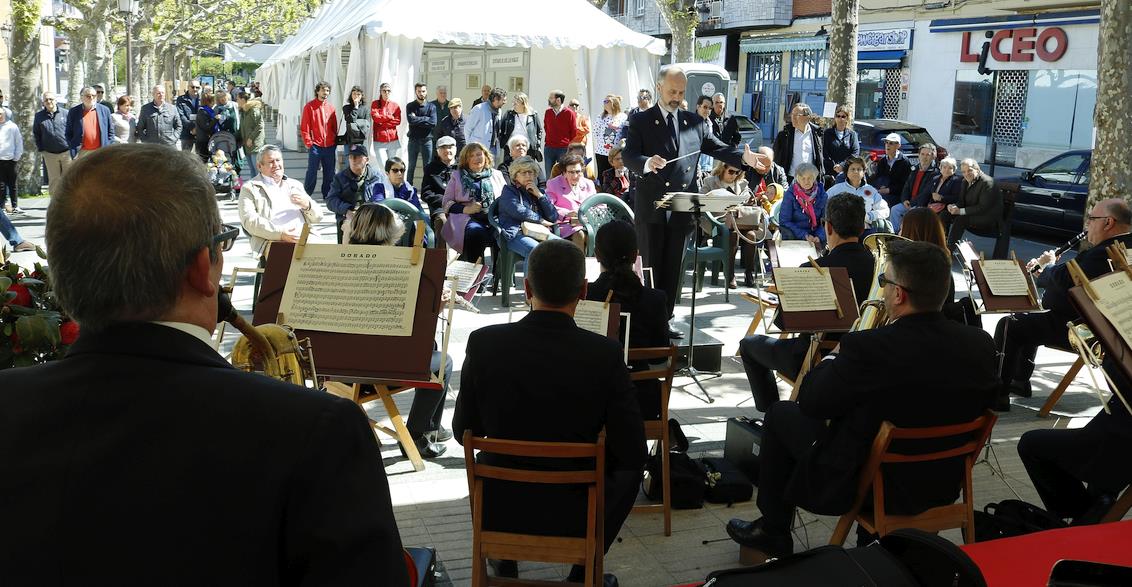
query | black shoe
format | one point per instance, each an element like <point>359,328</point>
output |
<point>1001,403</point>
<point>1100,506</point>
<point>441,434</point>
<point>752,535</point>
<point>748,279</point>
<point>1020,388</point>
<point>673,333</point>
<point>428,450</point>
<point>504,568</point>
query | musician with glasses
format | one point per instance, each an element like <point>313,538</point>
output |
<point>143,444</point>
<point>874,376</point>
<point>1020,335</point>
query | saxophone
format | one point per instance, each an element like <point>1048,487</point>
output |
<point>271,349</point>
<point>873,312</point>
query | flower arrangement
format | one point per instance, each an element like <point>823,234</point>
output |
<point>33,328</point>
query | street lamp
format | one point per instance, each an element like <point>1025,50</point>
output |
<point>128,9</point>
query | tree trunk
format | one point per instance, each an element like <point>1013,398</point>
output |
<point>843,53</point>
<point>682,20</point>
<point>26,88</point>
<point>76,57</point>
<point>1112,118</point>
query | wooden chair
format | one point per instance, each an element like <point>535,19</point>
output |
<point>761,307</point>
<point>1120,508</point>
<point>1056,394</point>
<point>957,515</point>
<point>658,429</point>
<point>588,551</point>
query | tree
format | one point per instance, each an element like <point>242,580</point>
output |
<point>1112,118</point>
<point>843,53</point>
<point>26,87</point>
<point>682,19</point>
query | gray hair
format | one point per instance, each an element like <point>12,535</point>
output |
<point>84,90</point>
<point>950,162</point>
<point>806,169</point>
<point>927,146</point>
<point>376,224</point>
<point>806,110</point>
<point>442,88</point>
<point>264,150</point>
<point>159,221</point>
<point>969,162</point>
<point>515,139</point>
<point>668,70</point>
<point>521,164</point>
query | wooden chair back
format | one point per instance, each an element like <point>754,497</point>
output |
<point>658,429</point>
<point>587,551</point>
<point>957,515</point>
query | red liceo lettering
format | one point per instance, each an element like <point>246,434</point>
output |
<point>1023,48</point>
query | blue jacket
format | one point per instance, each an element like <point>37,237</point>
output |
<point>75,126</point>
<point>791,216</point>
<point>515,208</point>
<point>50,131</point>
<point>422,119</point>
<point>343,194</point>
<point>384,189</point>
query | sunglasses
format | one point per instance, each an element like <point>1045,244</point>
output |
<point>397,170</point>
<point>223,242</point>
<point>842,116</point>
<point>883,281</point>
<point>731,172</point>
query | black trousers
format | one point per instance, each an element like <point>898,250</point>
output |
<point>1020,343</point>
<point>788,434</point>
<point>8,188</point>
<point>1071,468</point>
<point>762,356</point>
<point>662,246</point>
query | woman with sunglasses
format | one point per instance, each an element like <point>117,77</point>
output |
<point>607,131</point>
<point>731,178</point>
<point>394,185</point>
<point>839,143</point>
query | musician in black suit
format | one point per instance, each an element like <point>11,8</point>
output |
<point>555,383</point>
<point>1020,335</point>
<point>873,376</point>
<point>143,457</point>
<point>763,355</point>
<point>656,137</point>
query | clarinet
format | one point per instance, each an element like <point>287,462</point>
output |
<point>1057,253</point>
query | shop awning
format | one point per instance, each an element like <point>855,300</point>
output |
<point>880,59</point>
<point>780,44</point>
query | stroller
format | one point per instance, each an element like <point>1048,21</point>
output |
<point>223,166</point>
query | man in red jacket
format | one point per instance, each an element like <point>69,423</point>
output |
<point>561,125</point>
<point>319,127</point>
<point>386,118</point>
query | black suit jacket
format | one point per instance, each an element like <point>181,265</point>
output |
<point>648,327</point>
<point>891,175</point>
<point>922,196</point>
<point>784,147</point>
<point>144,458</point>
<point>648,135</point>
<point>1056,280</point>
<point>982,202</point>
<point>879,375</point>
<point>546,380</point>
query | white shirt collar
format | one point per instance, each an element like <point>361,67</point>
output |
<point>191,329</point>
<point>664,110</point>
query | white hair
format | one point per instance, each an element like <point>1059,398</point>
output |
<point>950,162</point>
<point>969,162</point>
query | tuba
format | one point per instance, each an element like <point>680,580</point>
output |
<point>272,349</point>
<point>873,313</point>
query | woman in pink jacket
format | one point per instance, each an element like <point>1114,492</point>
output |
<point>470,192</point>
<point>567,192</point>
<point>386,118</point>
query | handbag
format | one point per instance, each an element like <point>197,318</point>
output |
<point>1012,517</point>
<point>536,231</point>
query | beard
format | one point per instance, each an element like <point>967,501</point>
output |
<point>674,104</point>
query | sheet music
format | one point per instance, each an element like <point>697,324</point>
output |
<point>1115,303</point>
<point>804,289</point>
<point>353,289</point>
<point>592,316</point>
<point>1005,278</point>
<point>466,274</point>
<point>795,253</point>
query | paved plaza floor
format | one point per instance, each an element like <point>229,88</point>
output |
<point>432,505</point>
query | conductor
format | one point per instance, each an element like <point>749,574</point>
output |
<point>661,146</point>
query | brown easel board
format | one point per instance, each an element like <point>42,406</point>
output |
<point>827,320</point>
<point>1111,341</point>
<point>360,358</point>
<point>993,303</point>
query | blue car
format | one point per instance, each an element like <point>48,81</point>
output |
<point>1051,197</point>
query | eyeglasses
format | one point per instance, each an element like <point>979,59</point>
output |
<point>731,172</point>
<point>1092,218</point>
<point>574,171</point>
<point>883,281</point>
<point>842,116</point>
<point>223,242</point>
<point>194,87</point>
<point>397,170</point>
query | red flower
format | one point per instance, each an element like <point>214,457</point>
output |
<point>69,331</point>
<point>23,296</point>
<point>868,193</point>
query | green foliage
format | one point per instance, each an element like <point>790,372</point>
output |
<point>25,16</point>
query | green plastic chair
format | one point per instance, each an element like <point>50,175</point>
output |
<point>598,210</point>
<point>504,266</point>
<point>716,254</point>
<point>409,215</point>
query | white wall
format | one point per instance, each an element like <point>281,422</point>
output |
<point>553,69</point>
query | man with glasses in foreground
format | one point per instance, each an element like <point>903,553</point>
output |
<point>874,376</point>
<point>143,444</point>
<point>1020,335</point>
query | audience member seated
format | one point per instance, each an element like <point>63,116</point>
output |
<point>144,445</point>
<point>567,192</point>
<point>350,187</point>
<point>947,187</point>
<point>748,220</point>
<point>469,194</point>
<point>522,203</point>
<point>274,207</point>
<point>618,180</point>
<point>578,149</point>
<point>921,224</point>
<point>616,251</point>
<point>979,207</point>
<point>9,233</point>
<point>374,224</point>
<point>765,174</point>
<point>395,186</point>
<point>876,209</point>
<point>892,170</point>
<point>763,355</point>
<point>803,205</point>
<point>436,176</point>
<point>1080,472</point>
<point>512,400</point>
<point>519,146</point>
<point>874,376</point>
<point>917,190</point>
<point>1108,222</point>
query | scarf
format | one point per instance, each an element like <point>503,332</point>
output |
<point>806,201</point>
<point>212,117</point>
<point>478,186</point>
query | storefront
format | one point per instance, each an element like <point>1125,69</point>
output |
<point>1037,102</point>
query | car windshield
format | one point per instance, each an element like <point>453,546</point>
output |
<point>909,137</point>
<point>743,123</point>
<point>1062,170</point>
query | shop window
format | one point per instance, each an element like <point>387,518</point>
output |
<point>811,64</point>
<point>973,107</point>
<point>870,94</point>
<point>639,7</point>
<point>1059,109</point>
<point>616,7</point>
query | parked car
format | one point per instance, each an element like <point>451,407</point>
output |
<point>1051,198</point>
<point>749,131</point>
<point>871,133</point>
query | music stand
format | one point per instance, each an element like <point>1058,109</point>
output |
<point>715,201</point>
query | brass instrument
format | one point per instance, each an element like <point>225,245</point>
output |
<point>873,313</point>
<point>272,349</point>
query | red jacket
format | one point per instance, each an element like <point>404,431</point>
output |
<point>319,124</point>
<point>386,119</point>
<point>560,128</point>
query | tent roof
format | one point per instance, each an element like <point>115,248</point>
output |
<point>554,24</point>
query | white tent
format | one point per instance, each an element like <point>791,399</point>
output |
<point>572,46</point>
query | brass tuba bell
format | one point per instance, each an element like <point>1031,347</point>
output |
<point>271,349</point>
